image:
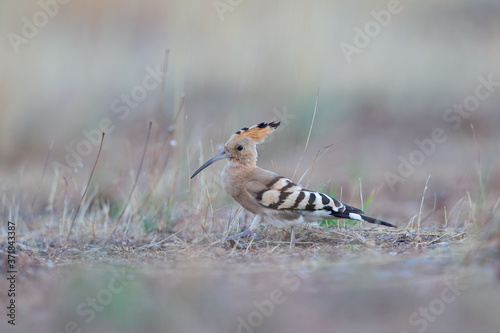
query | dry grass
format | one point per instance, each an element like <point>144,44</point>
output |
<point>130,230</point>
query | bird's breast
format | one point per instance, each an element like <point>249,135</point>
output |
<point>234,179</point>
<point>232,182</point>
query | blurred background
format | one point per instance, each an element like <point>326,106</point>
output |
<point>65,67</point>
<point>402,90</point>
<point>385,76</point>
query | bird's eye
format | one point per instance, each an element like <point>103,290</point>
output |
<point>240,147</point>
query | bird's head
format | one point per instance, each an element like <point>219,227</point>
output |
<point>241,146</point>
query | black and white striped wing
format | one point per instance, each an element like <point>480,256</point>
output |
<point>283,194</point>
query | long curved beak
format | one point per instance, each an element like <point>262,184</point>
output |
<point>217,157</point>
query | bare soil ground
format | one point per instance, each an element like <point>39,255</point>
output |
<point>333,280</point>
<point>169,82</point>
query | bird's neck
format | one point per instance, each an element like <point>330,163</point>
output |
<point>242,165</point>
<point>235,175</point>
<point>238,171</point>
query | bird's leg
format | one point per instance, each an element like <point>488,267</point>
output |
<point>292,237</point>
<point>255,223</point>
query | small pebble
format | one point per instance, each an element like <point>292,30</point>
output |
<point>220,251</point>
<point>370,243</point>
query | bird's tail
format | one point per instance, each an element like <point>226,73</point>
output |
<point>356,214</point>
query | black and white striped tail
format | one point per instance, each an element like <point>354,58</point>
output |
<point>357,214</point>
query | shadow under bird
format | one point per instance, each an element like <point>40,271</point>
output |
<point>274,199</point>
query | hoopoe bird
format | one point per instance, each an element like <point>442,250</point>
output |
<point>274,199</point>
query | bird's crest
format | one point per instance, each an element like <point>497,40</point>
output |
<point>257,133</point>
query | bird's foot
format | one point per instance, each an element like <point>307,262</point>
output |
<point>233,238</point>
<point>241,234</point>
